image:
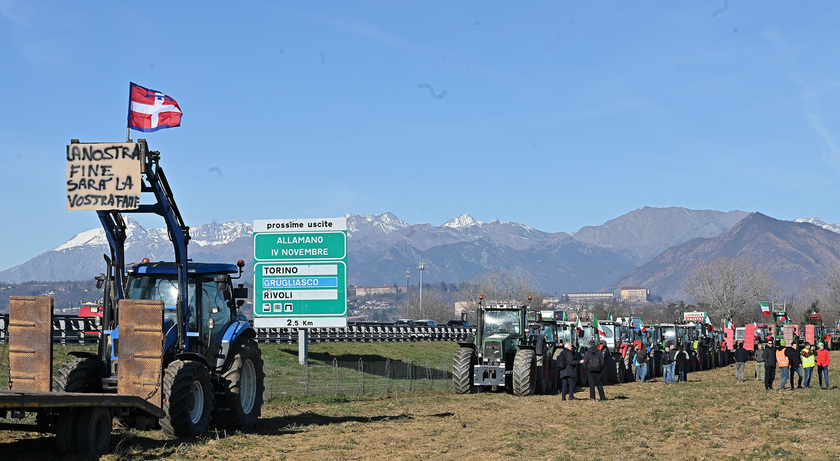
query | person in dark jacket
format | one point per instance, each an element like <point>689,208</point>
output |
<point>681,359</point>
<point>795,364</point>
<point>568,375</point>
<point>741,357</point>
<point>592,359</point>
<point>769,367</point>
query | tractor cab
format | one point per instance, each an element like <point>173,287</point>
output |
<point>212,301</point>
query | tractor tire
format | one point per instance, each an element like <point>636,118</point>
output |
<point>462,370</point>
<point>79,375</point>
<point>187,399</point>
<point>621,372</point>
<point>93,431</point>
<point>609,372</point>
<point>524,372</point>
<point>241,387</point>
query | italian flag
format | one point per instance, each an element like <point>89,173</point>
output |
<point>598,326</point>
<point>765,309</point>
<point>728,324</point>
<point>579,327</point>
<point>642,326</point>
<point>708,322</point>
<point>565,316</point>
<point>610,318</point>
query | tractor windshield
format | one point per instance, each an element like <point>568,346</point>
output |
<point>161,288</point>
<point>669,335</point>
<point>501,322</point>
<point>548,331</point>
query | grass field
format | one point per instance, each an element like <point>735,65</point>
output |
<point>710,417</point>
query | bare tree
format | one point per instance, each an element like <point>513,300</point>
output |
<point>500,287</point>
<point>435,307</point>
<point>731,287</point>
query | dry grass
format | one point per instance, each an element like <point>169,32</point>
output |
<point>710,417</point>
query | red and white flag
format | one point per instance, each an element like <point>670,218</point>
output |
<point>151,110</point>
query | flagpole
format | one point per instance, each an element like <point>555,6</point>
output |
<point>127,134</point>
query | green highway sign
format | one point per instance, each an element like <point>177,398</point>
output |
<point>300,245</point>
<point>300,273</point>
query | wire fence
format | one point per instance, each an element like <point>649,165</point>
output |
<point>356,378</point>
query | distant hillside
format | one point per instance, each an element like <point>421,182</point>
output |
<point>647,232</point>
<point>790,252</point>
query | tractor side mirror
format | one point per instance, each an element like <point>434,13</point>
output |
<point>221,282</point>
<point>100,280</point>
<point>240,292</point>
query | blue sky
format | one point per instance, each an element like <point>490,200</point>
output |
<point>553,114</point>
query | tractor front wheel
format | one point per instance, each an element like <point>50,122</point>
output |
<point>187,399</point>
<point>524,372</point>
<point>462,368</point>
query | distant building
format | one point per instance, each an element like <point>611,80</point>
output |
<point>634,294</point>
<point>590,298</point>
<point>365,291</point>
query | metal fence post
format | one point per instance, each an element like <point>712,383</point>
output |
<point>361,377</point>
<point>409,368</point>
<point>387,374</point>
<point>335,376</point>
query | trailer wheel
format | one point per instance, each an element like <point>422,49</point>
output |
<point>65,431</point>
<point>242,386</point>
<point>187,399</point>
<point>462,368</point>
<point>79,375</point>
<point>93,431</point>
<point>524,372</point>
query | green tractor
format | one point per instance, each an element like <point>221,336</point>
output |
<point>508,352</point>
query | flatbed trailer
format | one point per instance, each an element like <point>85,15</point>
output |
<point>81,421</point>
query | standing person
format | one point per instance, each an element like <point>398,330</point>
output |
<point>568,371</point>
<point>672,355</point>
<point>667,371</point>
<point>795,364</point>
<point>808,363</point>
<point>769,366</point>
<point>759,362</point>
<point>641,363</point>
<point>783,362</point>
<point>593,361</point>
<point>682,363</point>
<point>822,361</point>
<point>741,357</point>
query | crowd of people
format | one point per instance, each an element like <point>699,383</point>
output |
<point>676,362</point>
<point>790,360</point>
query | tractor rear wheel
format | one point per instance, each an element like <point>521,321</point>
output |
<point>187,399</point>
<point>524,372</point>
<point>619,369</point>
<point>242,386</point>
<point>462,368</point>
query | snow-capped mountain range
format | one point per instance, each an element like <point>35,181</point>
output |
<point>382,246</point>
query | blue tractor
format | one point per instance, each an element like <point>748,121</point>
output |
<point>212,369</point>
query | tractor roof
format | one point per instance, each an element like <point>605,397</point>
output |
<point>168,268</point>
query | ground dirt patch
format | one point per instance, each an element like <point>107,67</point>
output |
<point>710,417</point>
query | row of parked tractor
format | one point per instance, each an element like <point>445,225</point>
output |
<point>515,348</point>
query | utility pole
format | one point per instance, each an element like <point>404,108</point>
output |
<point>421,267</point>
<point>407,301</point>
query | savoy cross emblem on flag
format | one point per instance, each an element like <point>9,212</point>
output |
<point>151,110</point>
